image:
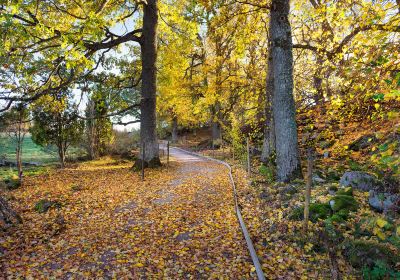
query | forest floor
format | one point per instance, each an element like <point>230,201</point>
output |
<point>103,222</point>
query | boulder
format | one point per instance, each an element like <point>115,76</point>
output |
<point>288,190</point>
<point>345,191</point>
<point>361,181</point>
<point>384,202</point>
<point>362,253</point>
<point>332,189</point>
<point>43,205</point>
<point>343,202</point>
<point>317,179</point>
<point>362,142</point>
<point>317,211</point>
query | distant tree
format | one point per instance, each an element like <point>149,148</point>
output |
<point>98,127</point>
<point>57,126</point>
<point>15,123</point>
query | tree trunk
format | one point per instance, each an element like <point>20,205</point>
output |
<point>7,215</point>
<point>90,131</point>
<point>174,130</point>
<point>61,155</point>
<point>19,161</point>
<point>269,132</point>
<point>287,152</point>
<point>216,132</point>
<point>148,123</point>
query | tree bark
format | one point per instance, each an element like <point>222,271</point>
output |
<point>269,132</point>
<point>284,110</point>
<point>61,155</point>
<point>216,133</point>
<point>148,123</point>
<point>19,160</point>
<point>174,130</point>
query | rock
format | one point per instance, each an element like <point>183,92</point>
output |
<point>43,205</point>
<point>77,188</point>
<point>332,175</point>
<point>360,181</point>
<point>8,216</point>
<point>345,202</point>
<point>264,194</point>
<point>3,185</point>
<point>317,211</point>
<point>326,144</point>
<point>362,142</point>
<point>13,183</point>
<point>337,218</point>
<point>332,189</point>
<point>362,253</point>
<point>345,191</point>
<point>316,179</point>
<point>288,190</point>
<point>384,202</point>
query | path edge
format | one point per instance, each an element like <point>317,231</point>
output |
<point>249,242</point>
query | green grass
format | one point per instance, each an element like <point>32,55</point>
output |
<point>47,157</point>
<point>30,151</point>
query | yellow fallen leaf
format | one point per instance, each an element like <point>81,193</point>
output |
<point>381,222</point>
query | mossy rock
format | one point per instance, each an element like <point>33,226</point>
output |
<point>288,191</point>
<point>336,218</point>
<point>317,211</point>
<point>362,253</point>
<point>43,205</point>
<point>333,188</point>
<point>267,172</point>
<point>76,188</point>
<point>345,191</point>
<point>344,213</point>
<point>12,184</point>
<point>332,175</point>
<point>345,202</point>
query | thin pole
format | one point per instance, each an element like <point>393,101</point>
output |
<point>248,158</point>
<point>308,190</point>
<point>167,153</point>
<point>143,158</point>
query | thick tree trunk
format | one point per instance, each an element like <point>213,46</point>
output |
<point>174,130</point>
<point>269,132</point>
<point>216,131</point>
<point>287,152</point>
<point>148,133</point>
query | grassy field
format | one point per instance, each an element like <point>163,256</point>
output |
<point>46,157</point>
<point>30,151</point>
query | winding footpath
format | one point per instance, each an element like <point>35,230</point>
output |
<point>180,223</point>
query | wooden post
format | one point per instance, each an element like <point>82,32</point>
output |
<point>308,190</point>
<point>143,159</point>
<point>167,153</point>
<point>248,158</point>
